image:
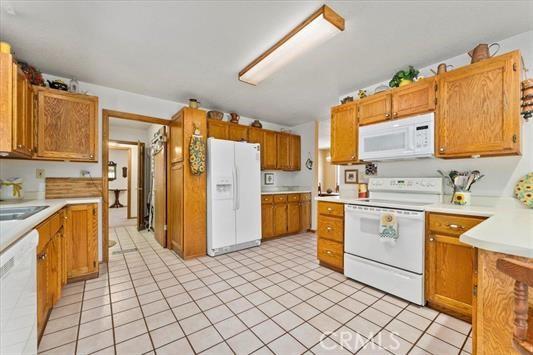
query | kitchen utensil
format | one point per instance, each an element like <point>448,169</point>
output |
<point>482,51</point>
<point>58,84</point>
<point>194,103</point>
<point>215,115</point>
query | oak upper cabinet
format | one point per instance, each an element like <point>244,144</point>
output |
<point>67,125</point>
<point>237,132</point>
<point>375,108</point>
<point>413,99</point>
<point>16,110</point>
<point>267,216</point>
<point>283,143</point>
<point>82,241</point>
<point>450,264</point>
<point>478,109</point>
<point>255,135</point>
<point>294,152</point>
<point>217,129</point>
<point>344,134</point>
<point>176,138</point>
<point>270,150</point>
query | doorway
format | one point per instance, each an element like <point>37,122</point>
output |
<point>129,164</point>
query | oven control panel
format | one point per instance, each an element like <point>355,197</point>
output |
<point>420,185</point>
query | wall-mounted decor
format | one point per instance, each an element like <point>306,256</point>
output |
<point>269,178</point>
<point>197,153</point>
<point>309,162</point>
<point>351,176</point>
<point>371,169</point>
<point>111,170</point>
<point>124,171</point>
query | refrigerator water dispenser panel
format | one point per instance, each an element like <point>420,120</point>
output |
<point>224,188</point>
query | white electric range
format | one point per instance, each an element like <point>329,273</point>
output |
<point>393,266</point>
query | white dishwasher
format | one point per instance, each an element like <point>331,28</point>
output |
<point>18,302</point>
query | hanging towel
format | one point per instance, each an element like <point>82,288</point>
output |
<point>197,153</point>
<point>388,226</point>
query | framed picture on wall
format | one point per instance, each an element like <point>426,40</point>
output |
<point>351,176</point>
<point>269,178</point>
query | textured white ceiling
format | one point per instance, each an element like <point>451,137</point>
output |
<point>180,49</point>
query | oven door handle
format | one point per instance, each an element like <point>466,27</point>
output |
<point>361,213</point>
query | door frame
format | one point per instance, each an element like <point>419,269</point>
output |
<point>140,176</point>
<point>106,115</point>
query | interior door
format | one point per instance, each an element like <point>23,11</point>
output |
<point>248,192</point>
<point>140,186</point>
<point>160,194</point>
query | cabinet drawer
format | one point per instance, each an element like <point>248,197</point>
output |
<point>267,199</point>
<point>452,224</point>
<point>331,228</point>
<point>293,197</point>
<point>331,253</point>
<point>331,209</point>
<point>305,197</point>
<point>280,198</point>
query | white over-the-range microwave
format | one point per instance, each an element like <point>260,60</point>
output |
<point>406,138</point>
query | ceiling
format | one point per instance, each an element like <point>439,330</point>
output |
<point>180,49</point>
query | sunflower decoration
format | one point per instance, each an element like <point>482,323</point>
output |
<point>524,190</point>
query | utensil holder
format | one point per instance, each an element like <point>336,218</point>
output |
<point>462,198</point>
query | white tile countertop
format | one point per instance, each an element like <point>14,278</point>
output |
<point>508,228</point>
<point>11,231</point>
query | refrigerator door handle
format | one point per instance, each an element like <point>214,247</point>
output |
<point>234,180</point>
<point>238,197</point>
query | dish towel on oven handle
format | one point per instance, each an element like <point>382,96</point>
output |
<point>388,226</point>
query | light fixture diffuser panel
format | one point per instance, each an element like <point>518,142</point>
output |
<point>312,32</point>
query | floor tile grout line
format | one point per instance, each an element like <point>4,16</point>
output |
<point>79,320</point>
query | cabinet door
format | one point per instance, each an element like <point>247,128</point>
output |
<point>280,219</point>
<point>305,212</point>
<point>217,129</point>
<point>283,142</point>
<point>449,268</point>
<point>267,220</point>
<point>82,236</point>
<point>344,134</point>
<point>176,138</point>
<point>22,115</point>
<point>270,150</point>
<point>238,133</point>
<point>294,152</point>
<point>293,217</point>
<point>67,126</point>
<point>414,98</point>
<point>376,108</point>
<point>54,277</point>
<point>42,291</point>
<point>175,209</point>
<point>478,109</point>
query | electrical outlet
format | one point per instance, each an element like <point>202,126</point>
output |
<point>39,173</point>
<point>85,173</point>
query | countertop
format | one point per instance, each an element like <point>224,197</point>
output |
<point>11,231</point>
<point>508,228</point>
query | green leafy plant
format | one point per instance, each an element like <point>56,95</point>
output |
<point>409,74</point>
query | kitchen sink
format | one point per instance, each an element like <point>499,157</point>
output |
<point>19,213</point>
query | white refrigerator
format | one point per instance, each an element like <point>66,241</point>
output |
<point>233,196</point>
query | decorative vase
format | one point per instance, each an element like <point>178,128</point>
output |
<point>194,103</point>
<point>234,117</point>
<point>405,82</point>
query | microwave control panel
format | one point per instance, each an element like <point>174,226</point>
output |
<point>422,136</point>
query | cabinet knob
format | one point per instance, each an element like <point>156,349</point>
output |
<point>353,157</point>
<point>41,256</point>
<point>19,145</point>
<point>329,209</point>
<point>395,114</point>
<point>91,156</point>
<point>387,115</point>
<point>431,239</point>
<point>328,252</point>
<point>441,149</point>
<point>456,226</point>
<point>329,229</point>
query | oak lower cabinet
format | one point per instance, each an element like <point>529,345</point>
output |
<point>450,264</point>
<point>16,110</point>
<point>67,125</point>
<point>82,241</point>
<point>285,214</point>
<point>478,109</point>
<point>344,134</point>
<point>330,232</point>
<point>50,267</point>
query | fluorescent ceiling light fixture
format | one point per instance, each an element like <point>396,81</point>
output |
<point>322,25</point>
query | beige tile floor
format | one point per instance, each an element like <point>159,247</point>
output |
<point>271,299</point>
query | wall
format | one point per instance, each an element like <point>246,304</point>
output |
<point>501,173</point>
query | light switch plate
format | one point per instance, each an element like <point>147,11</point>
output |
<point>39,173</point>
